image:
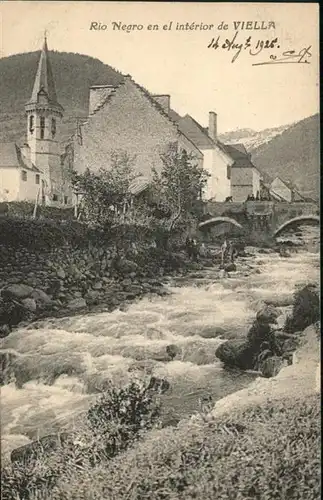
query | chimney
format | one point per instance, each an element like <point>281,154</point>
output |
<point>213,125</point>
<point>163,101</point>
<point>98,94</point>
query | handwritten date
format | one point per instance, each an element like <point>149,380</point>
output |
<point>255,47</point>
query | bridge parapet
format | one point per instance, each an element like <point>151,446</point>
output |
<point>261,216</point>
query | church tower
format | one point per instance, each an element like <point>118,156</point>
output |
<point>44,115</point>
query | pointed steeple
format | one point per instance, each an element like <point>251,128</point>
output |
<point>44,81</point>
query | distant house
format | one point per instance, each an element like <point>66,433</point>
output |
<point>216,160</point>
<point>245,177</point>
<point>20,180</point>
<point>127,118</point>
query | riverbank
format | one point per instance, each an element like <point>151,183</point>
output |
<point>271,430</point>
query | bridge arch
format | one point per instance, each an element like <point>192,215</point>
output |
<point>301,218</point>
<point>219,220</point>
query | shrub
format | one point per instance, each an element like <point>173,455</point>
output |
<point>120,416</point>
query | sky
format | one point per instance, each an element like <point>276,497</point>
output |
<point>179,62</point>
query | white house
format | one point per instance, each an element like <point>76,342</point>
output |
<point>216,160</point>
<point>245,177</point>
<point>19,179</point>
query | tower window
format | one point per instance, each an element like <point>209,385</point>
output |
<point>31,124</point>
<point>24,175</point>
<point>228,172</point>
<point>65,200</point>
<point>37,179</point>
<point>55,197</point>
<point>53,127</point>
<point>42,127</point>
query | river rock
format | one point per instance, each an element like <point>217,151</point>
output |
<point>77,303</point>
<point>29,304</point>
<point>17,291</point>
<point>173,351</point>
<point>41,298</point>
<point>272,366</point>
<point>230,267</point>
<point>4,331</point>
<point>267,315</point>
<point>236,353</point>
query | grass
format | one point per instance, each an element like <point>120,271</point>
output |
<point>269,452</point>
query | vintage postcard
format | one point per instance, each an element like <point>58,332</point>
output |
<point>159,250</point>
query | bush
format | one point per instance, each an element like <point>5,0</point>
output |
<point>120,416</point>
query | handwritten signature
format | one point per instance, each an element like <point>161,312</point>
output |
<point>255,47</point>
<point>289,57</point>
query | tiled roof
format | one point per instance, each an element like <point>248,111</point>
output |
<point>193,130</point>
<point>240,156</point>
<point>11,156</point>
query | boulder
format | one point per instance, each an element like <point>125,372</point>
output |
<point>258,333</point>
<point>230,267</point>
<point>173,351</point>
<point>29,304</point>
<point>4,331</point>
<point>267,315</point>
<point>236,353</point>
<point>41,298</point>
<point>17,291</point>
<point>272,366</point>
<point>78,303</point>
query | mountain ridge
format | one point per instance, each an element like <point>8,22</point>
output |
<point>275,151</point>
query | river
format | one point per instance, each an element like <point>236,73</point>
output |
<point>64,362</point>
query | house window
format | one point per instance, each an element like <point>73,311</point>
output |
<point>53,127</point>
<point>31,124</point>
<point>228,172</point>
<point>24,175</point>
<point>37,178</point>
<point>65,200</point>
<point>55,197</point>
<point>42,127</point>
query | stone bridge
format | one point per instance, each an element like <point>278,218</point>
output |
<point>260,217</point>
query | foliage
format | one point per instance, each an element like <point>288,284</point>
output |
<point>43,234</point>
<point>178,186</point>
<point>121,415</point>
<point>116,420</point>
<point>25,209</point>
<point>268,452</point>
<point>106,193</point>
<point>265,452</point>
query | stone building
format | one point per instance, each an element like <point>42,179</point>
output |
<point>34,170</point>
<point>127,119</point>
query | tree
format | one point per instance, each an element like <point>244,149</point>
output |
<point>105,193</point>
<point>178,187</point>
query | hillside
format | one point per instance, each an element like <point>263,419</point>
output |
<point>251,139</point>
<point>73,73</point>
<point>294,155</point>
